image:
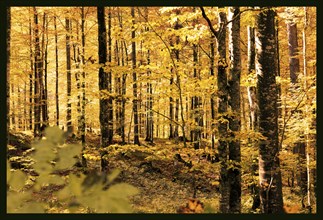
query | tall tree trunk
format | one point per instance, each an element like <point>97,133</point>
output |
<point>56,70</point>
<point>195,132</point>
<point>82,116</point>
<point>77,61</point>
<point>212,101</point>
<point>45,54</point>
<point>234,102</point>
<point>109,78</point>
<point>83,104</point>
<point>103,79</point>
<point>149,112</point>
<point>8,70</point>
<point>31,79</point>
<point>68,26</point>
<point>294,69</point>
<point>37,70</point>
<point>253,106</point>
<point>269,166</point>
<point>134,77</point>
<point>222,110</point>
<point>307,137</point>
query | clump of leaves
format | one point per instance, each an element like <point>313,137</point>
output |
<point>53,156</point>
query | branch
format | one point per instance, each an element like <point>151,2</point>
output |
<point>209,23</point>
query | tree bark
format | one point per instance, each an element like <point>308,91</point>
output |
<point>134,77</point>
<point>56,70</point>
<point>8,70</point>
<point>222,119</point>
<point>253,106</point>
<point>269,166</point>
<point>37,71</point>
<point>103,80</point>
<point>31,79</point>
<point>68,26</point>
<point>234,102</point>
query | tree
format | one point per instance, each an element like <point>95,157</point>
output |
<point>104,83</point>
<point>56,70</point>
<point>8,69</point>
<point>37,77</point>
<point>134,78</point>
<point>68,26</point>
<point>269,166</point>
<point>234,173</point>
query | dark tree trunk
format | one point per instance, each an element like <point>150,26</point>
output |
<point>171,109</point>
<point>213,102</point>
<point>222,110</point>
<point>109,78</point>
<point>8,70</point>
<point>77,62</point>
<point>82,119</point>
<point>195,104</point>
<point>294,68</point>
<point>56,70</point>
<point>134,77</point>
<point>37,71</point>
<point>253,106</point>
<point>45,54</point>
<point>31,79</point>
<point>269,167</point>
<point>68,26</point>
<point>103,80</point>
<point>149,114</point>
<point>234,102</point>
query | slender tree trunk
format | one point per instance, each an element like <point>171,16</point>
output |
<point>31,77</point>
<point>234,102</point>
<point>83,104</point>
<point>222,110</point>
<point>83,124</point>
<point>37,70</point>
<point>68,27</point>
<point>109,75</point>
<point>195,132</point>
<point>8,70</point>
<point>77,61</point>
<point>294,69</point>
<point>44,105</point>
<point>213,102</point>
<point>149,112</point>
<point>307,145</point>
<point>56,70</point>
<point>253,106</point>
<point>269,166</point>
<point>134,77</point>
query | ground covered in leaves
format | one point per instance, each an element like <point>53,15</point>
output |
<point>166,174</point>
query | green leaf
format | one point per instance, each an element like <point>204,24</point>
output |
<point>44,151</point>
<point>43,167</point>
<point>17,180</point>
<point>66,156</point>
<point>115,173</point>
<point>15,200</point>
<point>32,207</point>
<point>75,184</point>
<point>8,171</point>
<point>54,135</point>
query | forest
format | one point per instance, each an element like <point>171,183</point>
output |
<point>161,109</point>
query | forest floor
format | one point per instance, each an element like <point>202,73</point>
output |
<point>167,176</point>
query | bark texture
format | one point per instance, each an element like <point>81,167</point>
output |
<point>269,168</point>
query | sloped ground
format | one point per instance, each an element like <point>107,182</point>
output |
<point>165,180</point>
